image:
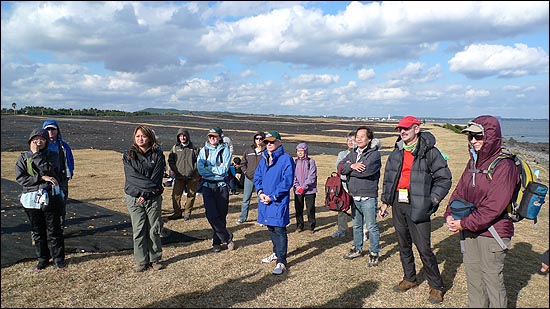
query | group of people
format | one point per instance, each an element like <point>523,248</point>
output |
<point>44,172</point>
<point>416,178</point>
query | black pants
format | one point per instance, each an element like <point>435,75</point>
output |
<point>47,234</point>
<point>408,233</point>
<point>216,204</point>
<point>299,207</point>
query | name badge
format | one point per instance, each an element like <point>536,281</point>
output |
<point>403,196</point>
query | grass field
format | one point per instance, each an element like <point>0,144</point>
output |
<point>318,276</point>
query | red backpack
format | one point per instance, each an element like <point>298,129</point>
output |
<point>336,199</point>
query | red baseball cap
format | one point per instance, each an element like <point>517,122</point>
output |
<point>407,122</point>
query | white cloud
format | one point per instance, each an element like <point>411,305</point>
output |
<point>365,74</point>
<point>482,60</point>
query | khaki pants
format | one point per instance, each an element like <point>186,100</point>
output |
<point>177,192</point>
<point>484,265</point>
<point>146,228</point>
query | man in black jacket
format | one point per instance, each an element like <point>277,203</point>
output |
<point>416,179</point>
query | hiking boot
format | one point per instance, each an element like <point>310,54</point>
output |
<point>353,253</point>
<point>175,216</point>
<point>157,265</point>
<point>404,285</point>
<point>279,269</point>
<point>338,234</point>
<point>59,265</point>
<point>141,268</point>
<point>373,259</point>
<point>436,296</point>
<point>217,248</point>
<point>269,259</point>
<point>40,266</point>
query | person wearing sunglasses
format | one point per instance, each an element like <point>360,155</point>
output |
<point>213,165</point>
<point>250,160</point>
<point>483,256</point>
<point>65,162</point>
<point>416,179</point>
<point>274,179</point>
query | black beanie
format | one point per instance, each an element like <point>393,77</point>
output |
<point>40,132</point>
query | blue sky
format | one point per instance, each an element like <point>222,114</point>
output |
<point>456,59</point>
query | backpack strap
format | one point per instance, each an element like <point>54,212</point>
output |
<point>206,153</point>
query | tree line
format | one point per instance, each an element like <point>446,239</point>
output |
<point>40,110</point>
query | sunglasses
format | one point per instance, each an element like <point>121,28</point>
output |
<point>270,142</point>
<point>259,138</point>
<point>477,137</point>
<point>51,129</point>
<point>405,129</point>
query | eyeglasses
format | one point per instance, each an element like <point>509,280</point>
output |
<point>51,129</point>
<point>406,129</point>
<point>477,137</point>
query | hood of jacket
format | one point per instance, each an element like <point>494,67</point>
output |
<point>492,139</point>
<point>304,147</point>
<point>184,132</point>
<point>53,122</point>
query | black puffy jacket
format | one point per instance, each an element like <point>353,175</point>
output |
<point>428,185</point>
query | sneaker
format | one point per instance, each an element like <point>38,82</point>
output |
<point>217,248</point>
<point>436,296</point>
<point>141,268</point>
<point>40,266</point>
<point>373,259</point>
<point>239,222</point>
<point>269,259</point>
<point>353,253</point>
<point>338,234</point>
<point>174,216</point>
<point>279,269</point>
<point>404,285</point>
<point>157,265</point>
<point>261,225</point>
<point>230,245</point>
<point>187,217</point>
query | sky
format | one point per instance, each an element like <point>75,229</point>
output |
<point>455,59</point>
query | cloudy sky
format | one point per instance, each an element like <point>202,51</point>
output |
<point>365,59</point>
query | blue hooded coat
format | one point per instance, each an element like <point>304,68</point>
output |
<point>275,180</point>
<point>65,154</point>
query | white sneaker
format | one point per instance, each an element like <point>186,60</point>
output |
<point>270,258</point>
<point>279,269</point>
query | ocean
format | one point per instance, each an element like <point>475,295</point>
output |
<point>522,130</point>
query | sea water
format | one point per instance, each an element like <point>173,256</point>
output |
<point>525,130</point>
<point>522,130</point>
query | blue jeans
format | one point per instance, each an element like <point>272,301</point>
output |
<point>365,212</point>
<point>279,238</point>
<point>247,196</point>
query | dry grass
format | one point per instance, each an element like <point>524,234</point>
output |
<point>318,276</point>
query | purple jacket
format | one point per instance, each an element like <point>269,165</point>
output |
<point>305,174</point>
<point>490,197</point>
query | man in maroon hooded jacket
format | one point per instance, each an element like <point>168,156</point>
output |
<point>483,255</point>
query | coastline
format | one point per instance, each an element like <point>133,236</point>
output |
<point>536,152</point>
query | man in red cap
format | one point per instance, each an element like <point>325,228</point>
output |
<point>416,179</point>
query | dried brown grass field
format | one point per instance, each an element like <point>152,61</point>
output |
<point>318,275</point>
